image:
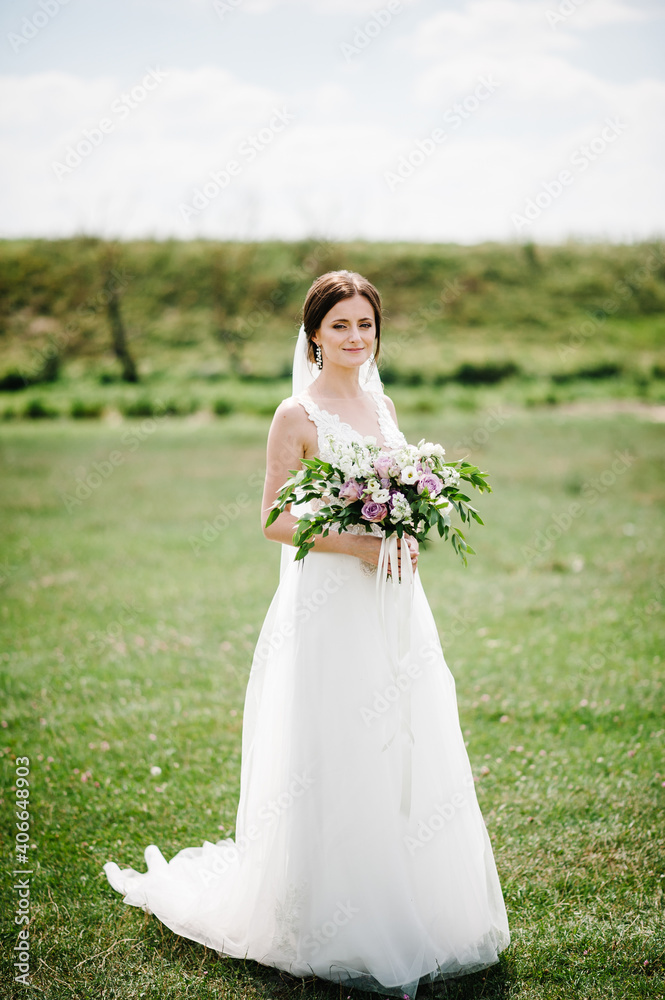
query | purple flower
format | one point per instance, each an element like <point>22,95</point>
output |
<point>428,481</point>
<point>351,490</point>
<point>382,465</point>
<point>374,511</point>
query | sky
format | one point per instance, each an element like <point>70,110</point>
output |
<point>460,121</point>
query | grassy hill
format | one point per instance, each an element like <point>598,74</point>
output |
<point>207,322</point>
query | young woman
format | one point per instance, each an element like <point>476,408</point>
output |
<point>361,854</point>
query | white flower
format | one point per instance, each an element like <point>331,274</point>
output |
<point>400,509</point>
<point>380,496</point>
<point>155,770</point>
<point>427,449</point>
<point>409,475</point>
<point>407,455</point>
<point>369,440</point>
<point>365,469</point>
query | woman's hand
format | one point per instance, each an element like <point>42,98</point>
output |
<point>414,550</point>
<point>367,547</point>
<point>409,545</point>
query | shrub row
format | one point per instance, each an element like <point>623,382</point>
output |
<point>264,403</point>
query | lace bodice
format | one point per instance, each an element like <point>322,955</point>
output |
<point>331,425</point>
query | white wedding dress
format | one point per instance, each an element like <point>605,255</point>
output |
<point>361,854</point>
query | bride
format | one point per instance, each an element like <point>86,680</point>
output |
<point>361,854</point>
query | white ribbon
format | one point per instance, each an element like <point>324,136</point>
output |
<point>398,652</point>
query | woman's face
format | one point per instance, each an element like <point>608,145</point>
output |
<point>347,332</point>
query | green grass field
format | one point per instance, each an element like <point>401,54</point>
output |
<point>133,581</point>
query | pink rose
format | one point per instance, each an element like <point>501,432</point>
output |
<point>350,490</point>
<point>382,465</point>
<point>428,481</point>
<point>374,511</point>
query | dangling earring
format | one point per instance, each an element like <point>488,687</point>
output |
<point>370,370</point>
<point>319,356</point>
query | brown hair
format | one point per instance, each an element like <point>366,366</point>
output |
<point>329,289</point>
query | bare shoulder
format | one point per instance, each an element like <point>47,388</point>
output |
<point>290,414</point>
<point>291,424</point>
<point>391,406</point>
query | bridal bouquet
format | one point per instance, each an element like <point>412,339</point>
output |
<point>406,491</point>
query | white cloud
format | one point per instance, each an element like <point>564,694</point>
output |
<point>514,41</point>
<point>324,171</point>
<point>592,14</point>
<point>360,7</point>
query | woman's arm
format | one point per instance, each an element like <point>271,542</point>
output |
<point>291,438</point>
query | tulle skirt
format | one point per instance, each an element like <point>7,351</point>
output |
<point>361,854</point>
